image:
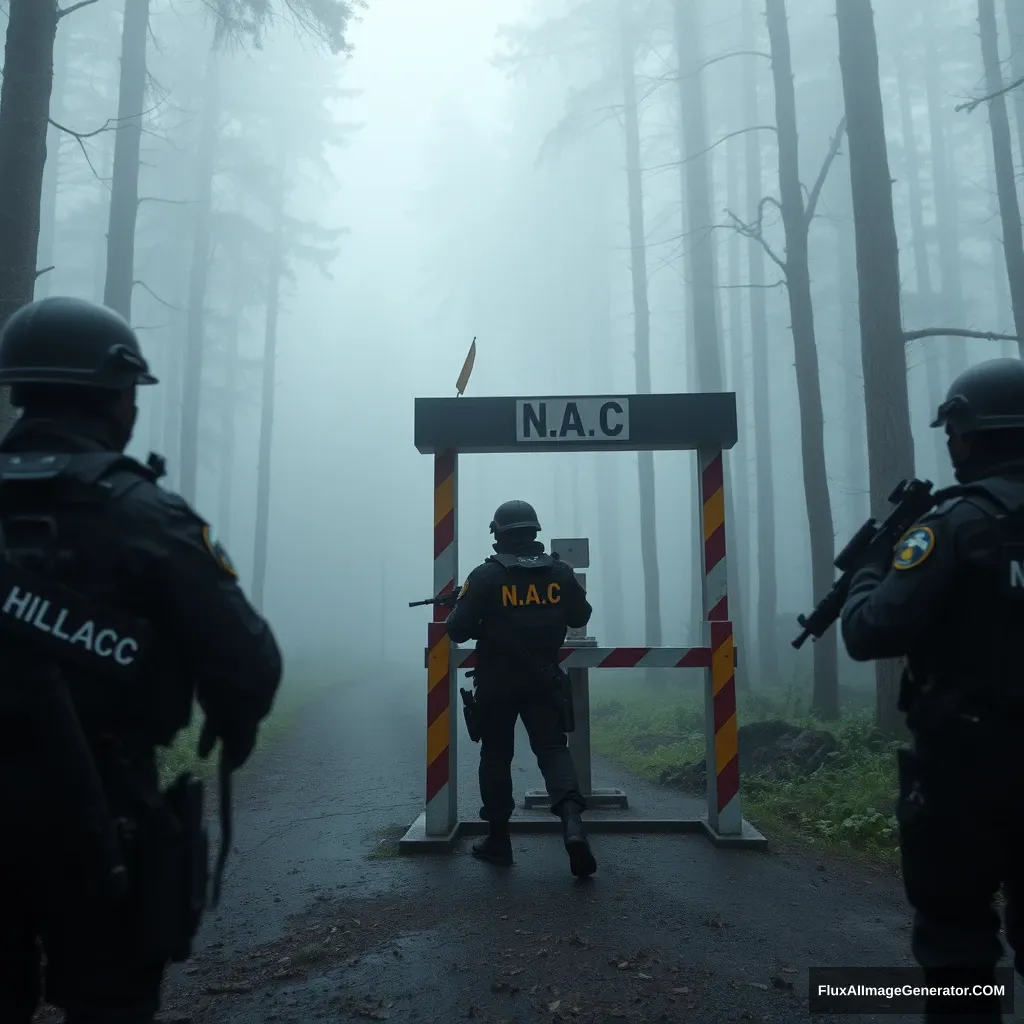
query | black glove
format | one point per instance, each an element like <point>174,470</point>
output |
<point>237,742</point>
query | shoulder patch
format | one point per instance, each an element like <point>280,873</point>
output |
<point>465,587</point>
<point>914,547</point>
<point>220,556</point>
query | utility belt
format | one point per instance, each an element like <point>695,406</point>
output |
<point>548,676</point>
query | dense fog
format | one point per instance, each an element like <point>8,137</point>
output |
<point>460,173</point>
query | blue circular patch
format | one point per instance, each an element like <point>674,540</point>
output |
<point>916,545</point>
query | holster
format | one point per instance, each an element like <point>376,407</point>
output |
<point>469,713</point>
<point>910,804</point>
<point>173,870</point>
<point>557,681</point>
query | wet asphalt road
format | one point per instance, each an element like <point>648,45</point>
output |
<point>322,920</point>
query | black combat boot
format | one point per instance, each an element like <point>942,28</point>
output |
<point>496,846</point>
<point>581,857</point>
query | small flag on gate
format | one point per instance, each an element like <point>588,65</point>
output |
<point>467,369</point>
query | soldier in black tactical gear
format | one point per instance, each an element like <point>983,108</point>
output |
<point>518,606</point>
<point>952,603</point>
<point>117,609</point>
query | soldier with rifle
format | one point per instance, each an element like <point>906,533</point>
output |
<point>518,605</point>
<point>947,594</point>
<point>117,609</point>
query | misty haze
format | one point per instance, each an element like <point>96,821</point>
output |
<point>308,210</point>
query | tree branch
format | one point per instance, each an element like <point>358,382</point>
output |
<point>714,145</point>
<point>955,332</point>
<point>163,302</point>
<point>108,126</point>
<point>974,104</point>
<point>45,270</point>
<point>80,139</point>
<point>63,12</point>
<point>170,202</point>
<point>826,165</point>
<point>774,284</point>
<point>711,61</point>
<point>754,231</point>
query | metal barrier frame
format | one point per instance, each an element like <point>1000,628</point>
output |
<point>705,423</point>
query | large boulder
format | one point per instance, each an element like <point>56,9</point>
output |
<point>772,749</point>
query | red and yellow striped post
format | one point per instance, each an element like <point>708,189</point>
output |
<point>722,730</point>
<point>442,789</point>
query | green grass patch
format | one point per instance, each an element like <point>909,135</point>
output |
<point>385,846</point>
<point>295,693</point>
<point>846,806</point>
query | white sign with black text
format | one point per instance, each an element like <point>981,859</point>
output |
<point>572,419</point>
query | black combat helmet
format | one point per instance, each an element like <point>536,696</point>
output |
<point>989,396</point>
<point>514,515</point>
<point>70,341</point>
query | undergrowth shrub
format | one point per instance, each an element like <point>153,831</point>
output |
<point>846,805</point>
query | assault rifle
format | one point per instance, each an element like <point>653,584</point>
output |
<point>441,601</point>
<point>872,542</point>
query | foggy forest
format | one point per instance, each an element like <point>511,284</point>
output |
<point>309,208</point>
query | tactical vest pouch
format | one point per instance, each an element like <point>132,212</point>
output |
<point>173,871</point>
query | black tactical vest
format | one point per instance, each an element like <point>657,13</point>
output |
<point>49,631</point>
<point>526,602</point>
<point>974,650</point>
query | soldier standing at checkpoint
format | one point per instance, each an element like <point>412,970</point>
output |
<point>518,606</point>
<point>952,603</point>
<point>104,574</point>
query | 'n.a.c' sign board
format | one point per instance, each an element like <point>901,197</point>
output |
<point>577,423</point>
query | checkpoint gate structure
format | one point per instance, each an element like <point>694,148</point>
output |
<point>703,422</point>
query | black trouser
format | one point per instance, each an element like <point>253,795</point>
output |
<point>100,963</point>
<point>94,970</point>
<point>961,840</point>
<point>500,702</point>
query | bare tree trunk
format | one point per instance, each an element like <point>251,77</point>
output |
<point>764,483</point>
<point>1002,157</point>
<point>1015,26</point>
<point>642,330</point>
<point>696,190</point>
<point>263,475</point>
<point>740,455</point>
<point>825,699</point>
<point>925,297</point>
<point>24,114</point>
<point>51,171</point>
<point>229,410</point>
<point>856,506</point>
<point>947,219</point>
<point>696,187</point>
<point>609,547</point>
<point>124,186</point>
<point>198,279</point>
<point>887,408</point>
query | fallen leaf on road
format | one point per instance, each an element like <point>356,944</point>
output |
<point>646,977</point>
<point>625,965</point>
<point>513,971</point>
<point>683,991</point>
<point>758,984</point>
<point>552,1007</point>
